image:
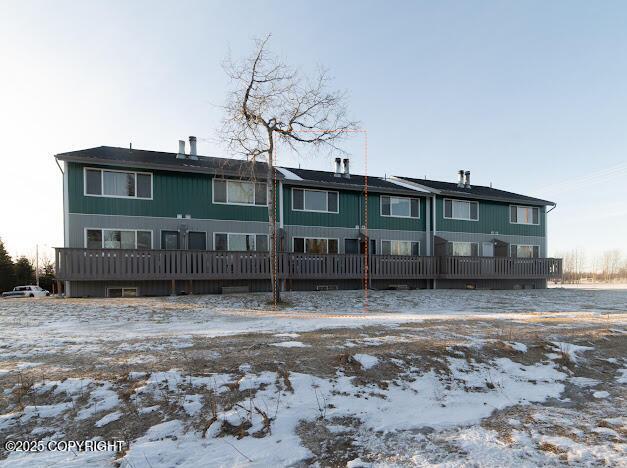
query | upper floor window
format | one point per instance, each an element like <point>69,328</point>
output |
<point>400,207</point>
<point>117,184</point>
<point>118,239</point>
<point>461,209</point>
<point>239,242</point>
<point>400,247</point>
<point>240,192</point>
<point>524,214</point>
<point>320,201</point>
<point>524,251</point>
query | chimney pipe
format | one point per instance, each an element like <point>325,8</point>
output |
<point>460,182</point>
<point>181,153</point>
<point>338,167</point>
<point>347,172</point>
<point>467,184</point>
<point>192,148</point>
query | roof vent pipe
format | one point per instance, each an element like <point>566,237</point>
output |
<point>181,153</point>
<point>192,148</point>
<point>338,167</point>
<point>460,182</point>
<point>347,172</point>
<point>467,183</point>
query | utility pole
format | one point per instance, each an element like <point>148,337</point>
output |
<point>37,264</point>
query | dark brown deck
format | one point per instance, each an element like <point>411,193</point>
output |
<point>73,264</point>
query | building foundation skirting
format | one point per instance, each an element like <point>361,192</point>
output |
<point>184,287</point>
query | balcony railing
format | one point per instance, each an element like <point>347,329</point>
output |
<point>73,264</point>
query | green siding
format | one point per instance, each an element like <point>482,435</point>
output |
<point>351,214</point>
<point>493,218</point>
<point>173,193</point>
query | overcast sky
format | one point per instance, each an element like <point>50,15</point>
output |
<point>531,96</point>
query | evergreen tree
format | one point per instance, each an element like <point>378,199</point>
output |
<point>46,275</point>
<point>24,271</point>
<point>7,270</point>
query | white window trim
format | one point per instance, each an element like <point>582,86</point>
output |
<point>317,238</point>
<point>399,240</point>
<point>213,197</point>
<point>465,242</point>
<point>509,215</point>
<point>152,235</point>
<point>102,195</point>
<point>123,288</point>
<point>526,245</point>
<point>458,219</point>
<point>228,240</point>
<point>396,216</point>
<point>316,211</point>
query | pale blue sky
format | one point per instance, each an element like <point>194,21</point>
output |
<point>531,96</point>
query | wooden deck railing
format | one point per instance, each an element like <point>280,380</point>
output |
<point>73,264</point>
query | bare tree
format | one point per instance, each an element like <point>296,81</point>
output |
<point>272,102</point>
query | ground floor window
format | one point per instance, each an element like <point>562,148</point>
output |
<point>400,247</point>
<point>464,249</point>
<point>315,245</point>
<point>238,242</point>
<point>118,239</point>
<point>525,251</point>
<point>121,292</point>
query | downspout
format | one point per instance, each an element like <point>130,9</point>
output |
<point>281,227</point>
<point>435,230</point>
<point>428,227</point>
<point>546,231</point>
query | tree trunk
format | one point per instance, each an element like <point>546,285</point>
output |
<point>274,274</point>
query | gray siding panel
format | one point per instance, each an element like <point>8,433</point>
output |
<point>79,222</point>
<point>478,237</point>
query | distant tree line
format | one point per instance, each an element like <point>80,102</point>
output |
<point>22,271</point>
<point>608,267</point>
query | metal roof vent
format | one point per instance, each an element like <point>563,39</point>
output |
<point>338,167</point>
<point>193,154</point>
<point>347,172</point>
<point>467,182</point>
<point>181,154</point>
<point>460,182</point>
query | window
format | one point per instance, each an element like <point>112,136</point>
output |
<point>315,200</point>
<point>117,184</point>
<point>121,292</point>
<point>118,239</point>
<point>197,240</point>
<point>351,246</point>
<point>240,192</point>
<point>93,182</point>
<point>459,209</point>
<point>400,207</point>
<point>524,251</point>
<point>464,249</point>
<point>241,242</point>
<point>524,214</point>
<point>399,247</point>
<point>315,245</point>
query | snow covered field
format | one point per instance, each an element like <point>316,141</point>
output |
<point>490,378</point>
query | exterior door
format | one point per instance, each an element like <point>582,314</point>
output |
<point>487,249</point>
<point>170,240</point>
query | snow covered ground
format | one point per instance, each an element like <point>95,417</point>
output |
<point>489,378</point>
